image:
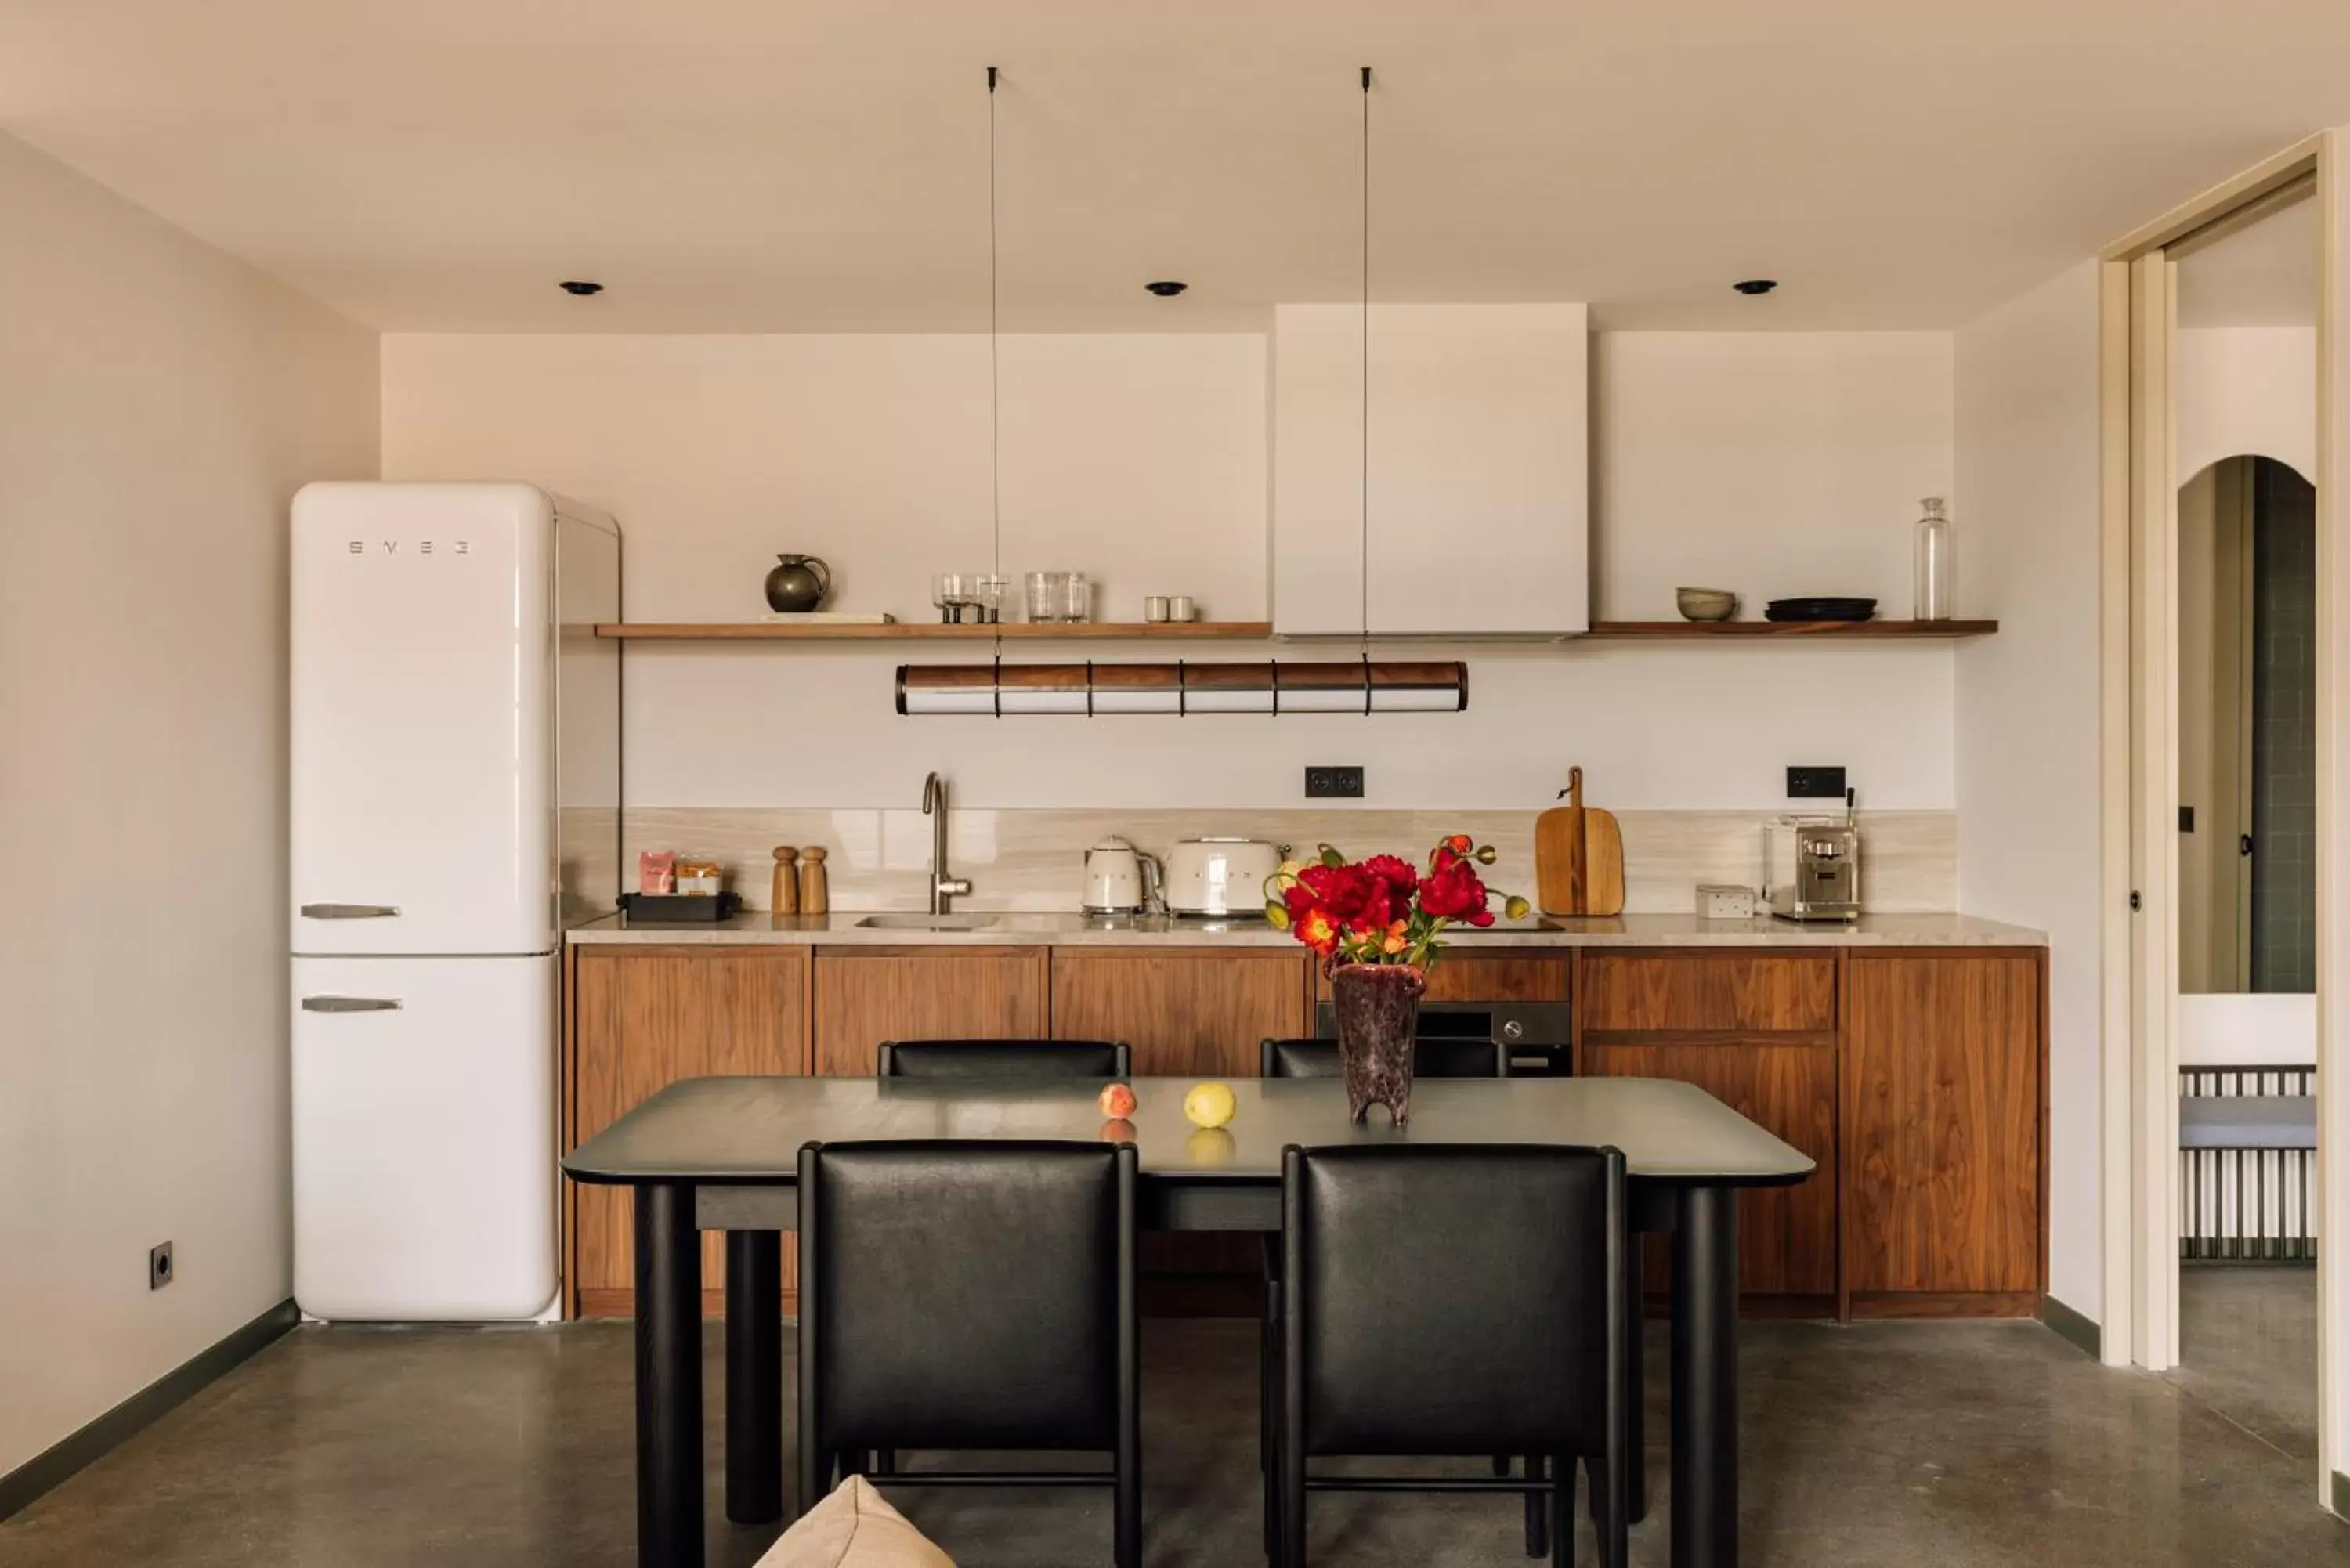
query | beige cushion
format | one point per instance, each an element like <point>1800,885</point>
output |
<point>854,1527</point>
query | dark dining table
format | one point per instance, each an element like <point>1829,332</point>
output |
<point>721,1153</point>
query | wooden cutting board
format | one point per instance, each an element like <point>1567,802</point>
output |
<point>1579,856</point>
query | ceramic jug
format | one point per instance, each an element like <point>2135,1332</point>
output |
<point>798,585</point>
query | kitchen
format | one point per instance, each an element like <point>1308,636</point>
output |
<point>1398,438</point>
<point>1815,446</point>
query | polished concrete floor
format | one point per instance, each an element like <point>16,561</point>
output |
<point>1948,1446</point>
<point>2247,1348</point>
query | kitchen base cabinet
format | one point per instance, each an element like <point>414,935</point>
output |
<point>1187,1013</point>
<point>1945,1096</point>
<point>1786,1236</point>
<point>866,995</point>
<point>642,1018</point>
<point>1756,1030</point>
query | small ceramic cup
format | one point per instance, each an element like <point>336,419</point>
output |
<point>1154,609</point>
<point>1181,608</point>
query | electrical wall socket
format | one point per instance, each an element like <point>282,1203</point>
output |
<point>1815,784</point>
<point>159,1266</point>
<point>1333,782</point>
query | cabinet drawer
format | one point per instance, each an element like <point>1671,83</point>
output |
<point>1464,974</point>
<point>866,996</point>
<point>1709,992</point>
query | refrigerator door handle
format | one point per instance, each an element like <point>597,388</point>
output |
<point>349,911</point>
<point>350,1005</point>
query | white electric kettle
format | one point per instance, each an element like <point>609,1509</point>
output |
<point>1119,879</point>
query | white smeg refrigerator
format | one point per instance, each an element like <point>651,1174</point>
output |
<point>456,803</point>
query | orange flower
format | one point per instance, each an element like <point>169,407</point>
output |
<point>1317,931</point>
<point>1396,940</point>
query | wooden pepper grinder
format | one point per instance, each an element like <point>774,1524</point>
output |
<point>816,896</point>
<point>786,899</point>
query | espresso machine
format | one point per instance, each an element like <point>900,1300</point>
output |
<point>1810,865</point>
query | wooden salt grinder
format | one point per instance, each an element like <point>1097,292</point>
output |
<point>786,899</point>
<point>816,896</point>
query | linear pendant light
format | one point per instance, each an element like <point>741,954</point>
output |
<point>997,689</point>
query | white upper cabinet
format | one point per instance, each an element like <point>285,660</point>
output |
<point>1478,469</point>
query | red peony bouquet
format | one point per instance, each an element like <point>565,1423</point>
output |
<point>1383,909</point>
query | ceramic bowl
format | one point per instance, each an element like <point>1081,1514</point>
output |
<point>1706,604</point>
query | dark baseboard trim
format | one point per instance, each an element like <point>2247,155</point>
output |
<point>2074,1328</point>
<point>52,1465</point>
<point>2342,1494</point>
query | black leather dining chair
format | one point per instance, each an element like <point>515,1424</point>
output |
<point>898,1240</point>
<point>1002,1059</point>
<point>1301,1058</point>
<point>1455,1300</point>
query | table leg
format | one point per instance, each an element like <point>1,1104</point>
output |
<point>1636,1306</point>
<point>754,1377</point>
<point>668,1377</point>
<point>1705,1380</point>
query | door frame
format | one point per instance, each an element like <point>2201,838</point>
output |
<point>2139,783</point>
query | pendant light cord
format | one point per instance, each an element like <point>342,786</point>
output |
<point>1364,498</point>
<point>994,383</point>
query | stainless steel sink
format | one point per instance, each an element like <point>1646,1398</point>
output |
<point>916,921</point>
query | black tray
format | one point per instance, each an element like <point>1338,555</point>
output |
<point>679,908</point>
<point>1820,609</point>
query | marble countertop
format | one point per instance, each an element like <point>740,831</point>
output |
<point>1020,928</point>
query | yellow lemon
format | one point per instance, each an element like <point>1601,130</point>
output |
<point>1208,1104</point>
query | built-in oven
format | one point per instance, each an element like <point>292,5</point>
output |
<point>1535,1035</point>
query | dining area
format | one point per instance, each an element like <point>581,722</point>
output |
<point>1461,1282</point>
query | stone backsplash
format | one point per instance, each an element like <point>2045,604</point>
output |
<point>1031,859</point>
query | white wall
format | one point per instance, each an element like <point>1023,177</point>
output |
<point>158,405</point>
<point>1775,463</point>
<point>2247,391</point>
<point>2027,700</point>
<point>1720,459</point>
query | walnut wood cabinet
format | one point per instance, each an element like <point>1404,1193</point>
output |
<point>1915,1078</point>
<point>1185,1012</point>
<point>1756,1030</point>
<point>642,1018</point>
<point>1945,1131</point>
<point>864,996</point>
<point>1189,1012</point>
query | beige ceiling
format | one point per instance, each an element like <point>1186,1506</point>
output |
<point>821,164</point>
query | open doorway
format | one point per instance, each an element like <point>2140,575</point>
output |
<point>2245,580</point>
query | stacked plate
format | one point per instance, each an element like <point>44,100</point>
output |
<point>1820,609</point>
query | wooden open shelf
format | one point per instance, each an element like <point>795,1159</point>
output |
<point>1244,630</point>
<point>1011,631</point>
<point>1700,629</point>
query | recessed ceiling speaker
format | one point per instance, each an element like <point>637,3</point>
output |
<point>1756,286</point>
<point>583,288</point>
<point>1167,289</point>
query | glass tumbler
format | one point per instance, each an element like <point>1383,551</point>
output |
<point>1048,595</point>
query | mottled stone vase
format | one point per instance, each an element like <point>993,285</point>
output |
<point>1377,1006</point>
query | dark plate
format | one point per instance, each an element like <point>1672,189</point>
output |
<point>1820,609</point>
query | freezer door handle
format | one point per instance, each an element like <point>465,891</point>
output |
<point>350,1005</point>
<point>349,911</point>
